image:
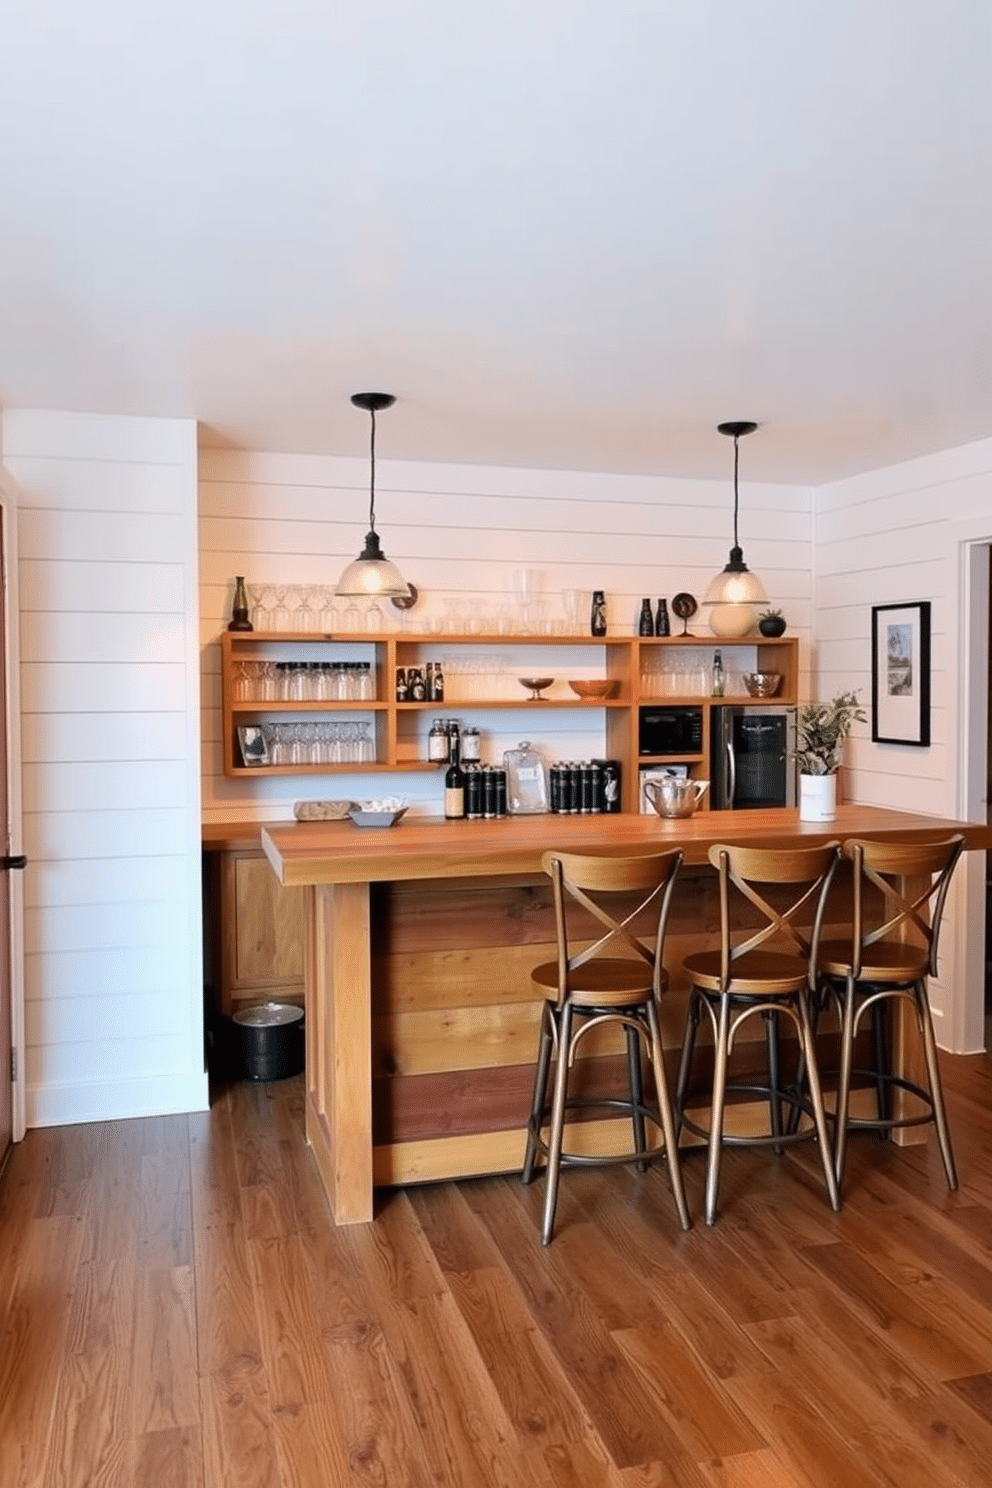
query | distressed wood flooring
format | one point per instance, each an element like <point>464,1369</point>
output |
<point>177,1309</point>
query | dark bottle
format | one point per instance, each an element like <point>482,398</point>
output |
<point>597,619</point>
<point>454,784</point>
<point>416,686</point>
<point>429,683</point>
<point>438,694</point>
<point>645,625</point>
<point>239,609</point>
<point>661,625</point>
<point>402,686</point>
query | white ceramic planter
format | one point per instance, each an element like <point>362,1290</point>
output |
<point>817,797</point>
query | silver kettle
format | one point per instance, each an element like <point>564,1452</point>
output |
<point>675,795</point>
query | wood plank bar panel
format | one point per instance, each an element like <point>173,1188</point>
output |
<point>420,942</point>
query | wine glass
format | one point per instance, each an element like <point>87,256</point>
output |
<point>280,614</point>
<point>259,594</point>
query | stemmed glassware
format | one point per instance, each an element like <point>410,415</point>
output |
<point>280,614</point>
<point>259,594</point>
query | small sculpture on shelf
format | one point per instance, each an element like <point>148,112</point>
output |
<point>239,610</point>
<point>771,623</point>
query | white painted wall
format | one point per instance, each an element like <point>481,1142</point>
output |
<point>898,535</point>
<point>461,531</point>
<point>110,725</point>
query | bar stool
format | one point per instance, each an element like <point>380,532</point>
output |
<point>769,970</point>
<point>891,952</point>
<point>585,989</point>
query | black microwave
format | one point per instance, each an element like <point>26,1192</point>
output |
<point>663,731</point>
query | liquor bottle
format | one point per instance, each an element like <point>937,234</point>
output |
<point>402,686</point>
<point>239,610</point>
<point>597,619</point>
<point>661,625</point>
<point>645,625</point>
<point>416,686</point>
<point>454,785</point>
<point>437,743</point>
<point>438,683</point>
<point>717,687</point>
<point>429,683</point>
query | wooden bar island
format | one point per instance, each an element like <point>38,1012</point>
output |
<point>421,1019</point>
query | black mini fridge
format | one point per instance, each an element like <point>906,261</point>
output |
<point>753,757</point>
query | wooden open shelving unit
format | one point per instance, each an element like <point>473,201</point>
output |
<point>397,729</point>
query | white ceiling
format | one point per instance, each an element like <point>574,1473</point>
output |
<point>565,233</point>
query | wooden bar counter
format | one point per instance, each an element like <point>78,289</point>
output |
<point>421,1016</point>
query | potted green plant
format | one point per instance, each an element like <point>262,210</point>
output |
<point>821,729</point>
<point>771,623</point>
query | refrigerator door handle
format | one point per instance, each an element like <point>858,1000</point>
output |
<point>731,773</point>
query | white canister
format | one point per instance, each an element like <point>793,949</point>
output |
<point>817,797</point>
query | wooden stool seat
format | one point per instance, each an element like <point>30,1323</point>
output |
<point>586,988</point>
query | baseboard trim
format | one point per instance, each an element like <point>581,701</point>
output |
<point>118,1100</point>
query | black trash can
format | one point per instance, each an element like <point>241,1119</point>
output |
<point>269,1037</point>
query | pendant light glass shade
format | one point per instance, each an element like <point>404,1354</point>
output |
<point>735,588</point>
<point>372,574</point>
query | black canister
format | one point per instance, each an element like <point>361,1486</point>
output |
<point>585,787</point>
<point>610,775</point>
<point>489,792</point>
<point>500,791</point>
<point>473,792</point>
<point>554,786</point>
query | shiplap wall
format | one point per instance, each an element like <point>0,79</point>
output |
<point>460,532</point>
<point>109,731</point>
<point>890,537</point>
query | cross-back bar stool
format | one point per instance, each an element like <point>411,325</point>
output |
<point>899,891</point>
<point>766,969</point>
<point>617,979</point>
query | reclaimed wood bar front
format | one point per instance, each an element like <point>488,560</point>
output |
<point>421,1019</point>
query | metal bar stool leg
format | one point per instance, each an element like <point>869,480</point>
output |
<point>667,1120</point>
<point>774,1075</point>
<point>636,1080</point>
<point>556,1133</point>
<point>936,1088</point>
<point>720,1054</point>
<point>879,1028</point>
<point>692,1016</point>
<point>844,1081</point>
<point>816,1101</point>
<point>540,1094</point>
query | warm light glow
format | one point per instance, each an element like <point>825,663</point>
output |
<point>731,621</point>
<point>736,588</point>
<point>369,577</point>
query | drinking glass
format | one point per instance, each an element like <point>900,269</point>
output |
<point>280,614</point>
<point>259,595</point>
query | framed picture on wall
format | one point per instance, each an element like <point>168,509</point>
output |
<point>900,673</point>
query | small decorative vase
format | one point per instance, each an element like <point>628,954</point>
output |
<point>817,797</point>
<point>772,625</point>
<point>239,610</point>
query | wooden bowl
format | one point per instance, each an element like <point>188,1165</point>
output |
<point>595,688</point>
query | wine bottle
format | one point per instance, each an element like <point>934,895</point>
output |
<point>438,683</point>
<point>661,625</point>
<point>645,625</point>
<point>454,784</point>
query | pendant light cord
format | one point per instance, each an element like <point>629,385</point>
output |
<point>372,466</point>
<point>736,457</point>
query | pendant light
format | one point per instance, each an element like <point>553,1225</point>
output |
<point>372,574</point>
<point>735,589</point>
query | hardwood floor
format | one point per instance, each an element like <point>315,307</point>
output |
<point>177,1309</point>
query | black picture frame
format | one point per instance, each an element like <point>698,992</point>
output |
<point>900,674</point>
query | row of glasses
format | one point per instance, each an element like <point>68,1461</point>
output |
<point>312,609</point>
<point>319,743</point>
<point>303,682</point>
